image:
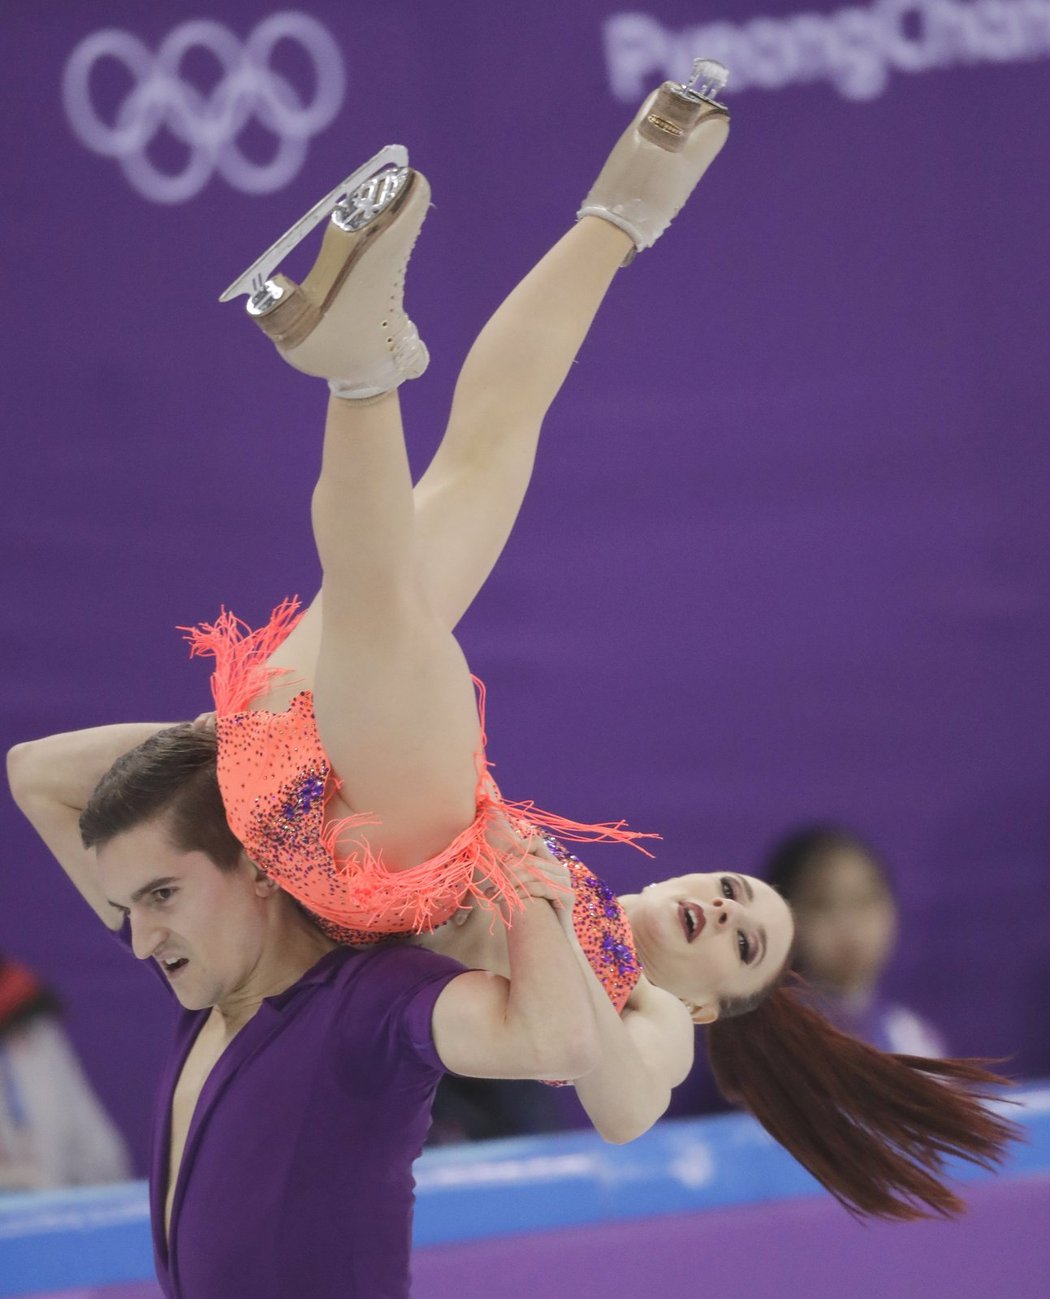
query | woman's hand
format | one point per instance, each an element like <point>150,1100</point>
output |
<point>532,870</point>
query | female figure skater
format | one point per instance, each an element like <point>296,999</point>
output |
<point>367,798</point>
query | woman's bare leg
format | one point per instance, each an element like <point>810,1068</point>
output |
<point>468,499</point>
<point>393,697</point>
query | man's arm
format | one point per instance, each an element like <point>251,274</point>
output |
<point>642,1053</point>
<point>51,781</point>
<point>540,1022</point>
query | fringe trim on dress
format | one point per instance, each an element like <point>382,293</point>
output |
<point>240,653</point>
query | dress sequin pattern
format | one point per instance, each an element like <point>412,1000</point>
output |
<point>601,928</point>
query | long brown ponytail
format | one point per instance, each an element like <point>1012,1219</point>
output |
<point>873,1128</point>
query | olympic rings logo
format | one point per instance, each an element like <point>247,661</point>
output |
<point>207,124</point>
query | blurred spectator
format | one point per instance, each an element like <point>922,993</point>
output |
<point>846,927</point>
<point>482,1109</point>
<point>53,1131</point>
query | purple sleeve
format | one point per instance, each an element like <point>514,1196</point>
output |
<point>404,984</point>
<point>417,1018</point>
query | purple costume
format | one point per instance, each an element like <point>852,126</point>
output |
<point>296,1177</point>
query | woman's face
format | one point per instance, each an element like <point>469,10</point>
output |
<point>847,921</point>
<point>710,938</point>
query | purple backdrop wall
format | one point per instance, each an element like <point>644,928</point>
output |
<point>785,553</point>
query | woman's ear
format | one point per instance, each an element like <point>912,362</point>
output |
<point>706,1014</point>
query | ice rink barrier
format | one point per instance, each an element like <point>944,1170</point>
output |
<point>86,1239</point>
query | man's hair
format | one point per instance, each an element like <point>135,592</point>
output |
<point>170,777</point>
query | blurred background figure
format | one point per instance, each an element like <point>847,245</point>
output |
<point>846,928</point>
<point>845,931</point>
<point>53,1131</point>
<point>482,1109</point>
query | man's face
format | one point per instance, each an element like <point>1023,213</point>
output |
<point>203,926</point>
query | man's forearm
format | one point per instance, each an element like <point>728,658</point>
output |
<point>623,1094</point>
<point>549,1001</point>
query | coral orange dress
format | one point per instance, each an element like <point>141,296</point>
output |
<point>275,779</point>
